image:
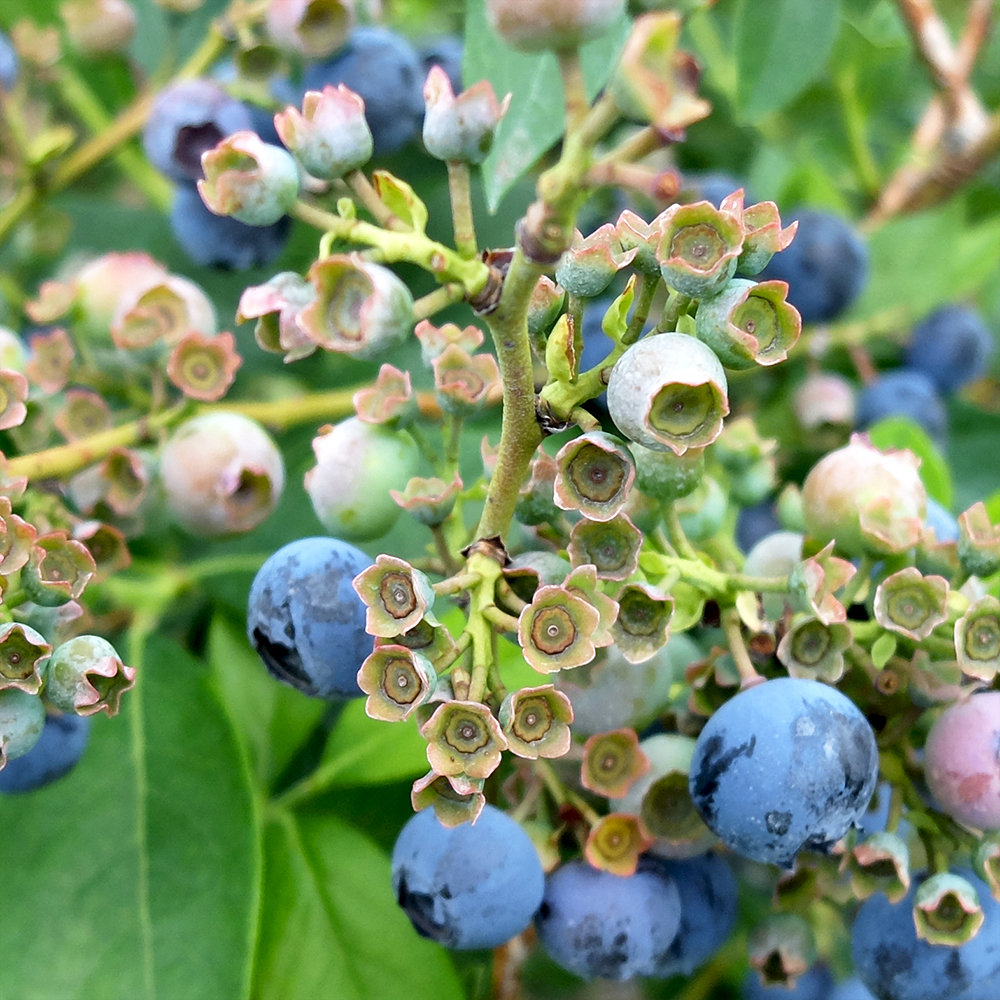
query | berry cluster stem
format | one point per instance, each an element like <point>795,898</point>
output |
<point>463,221</point>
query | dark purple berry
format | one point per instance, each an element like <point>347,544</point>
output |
<point>903,393</point>
<point>186,120</point>
<point>444,51</point>
<point>384,69</point>
<point>826,266</point>
<point>815,984</point>
<point>56,753</point>
<point>220,241</point>
<point>9,63</point>
<point>951,346</point>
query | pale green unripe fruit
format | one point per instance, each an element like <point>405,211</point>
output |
<point>357,464</point>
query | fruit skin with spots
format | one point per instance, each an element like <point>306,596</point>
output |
<point>785,766</point>
<point>305,619</point>
<point>897,965</point>
<point>604,926</point>
<point>475,885</point>
<point>962,761</point>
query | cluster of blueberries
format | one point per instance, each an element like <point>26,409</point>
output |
<point>191,117</point>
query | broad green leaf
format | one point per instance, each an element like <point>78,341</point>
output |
<point>900,432</point>
<point>781,47</point>
<point>330,926</point>
<point>136,877</point>
<point>365,751</point>
<point>924,260</point>
<point>272,719</point>
<point>536,117</point>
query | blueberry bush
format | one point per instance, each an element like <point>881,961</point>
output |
<point>499,499</point>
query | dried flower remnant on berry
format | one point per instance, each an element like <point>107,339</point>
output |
<point>612,762</point>
<point>555,629</point>
<point>396,595</point>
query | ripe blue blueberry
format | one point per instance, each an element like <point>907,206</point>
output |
<point>826,266</point>
<point>951,346</point>
<point>469,886</point>
<point>220,241</point>
<point>815,984</point>
<point>784,766</point>
<point>384,69</point>
<point>305,619</point>
<point>708,899</point>
<point>944,524</point>
<point>444,51</point>
<point>897,965</point>
<point>186,120</point>
<point>852,989</point>
<point>56,753</point>
<point>604,926</point>
<point>9,63</point>
<point>904,392</point>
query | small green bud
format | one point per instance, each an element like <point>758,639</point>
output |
<point>812,583</point>
<point>58,570</point>
<point>594,475</point>
<point>203,367</point>
<point>698,248</point>
<point>555,629</point>
<point>611,546</point>
<point>911,604</point>
<point>17,538</point>
<point>434,340</point>
<point>396,596</point>
<point>978,542</point>
<point>591,262</point>
<point>455,799</point>
<point>582,582</point>
<point>248,179</point>
<point>13,395</point>
<point>703,510</point>
<point>536,721</point>
<point>813,650</point>
<point>535,25</point>
<point>464,738</point>
<point>536,500</point>
<point>781,949</point>
<point>464,382</point>
<point>946,910</point>
<point>881,863</point>
<point>397,681</point>
<point>643,621</point>
<point>24,655</point>
<point>428,501</point>
<point>460,128</point>
<point>389,401</point>
<point>749,323</point>
<point>763,236</point>
<point>612,763</point>
<point>86,676</point>
<point>664,475</point>
<point>988,864</point>
<point>276,305</point>
<point>615,843</point>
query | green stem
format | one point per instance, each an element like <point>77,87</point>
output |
<point>738,647</point>
<point>87,107</point>
<point>433,302</point>
<point>648,287</point>
<point>452,445</point>
<point>675,532</point>
<point>478,626</point>
<point>456,584</point>
<point>672,312</point>
<point>574,88</point>
<point>463,221</point>
<point>369,198</point>
<point>520,434</point>
<point>450,563</point>
<point>858,581</point>
<point>500,619</point>
<point>759,584</point>
<point>415,248</point>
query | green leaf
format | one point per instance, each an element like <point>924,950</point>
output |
<point>136,877</point>
<point>330,926</point>
<point>271,719</point>
<point>883,649</point>
<point>401,199</point>
<point>781,47</point>
<point>900,432</point>
<point>365,751</point>
<point>537,115</point>
<point>907,272</point>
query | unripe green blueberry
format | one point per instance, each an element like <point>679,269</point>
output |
<point>221,473</point>
<point>22,718</point>
<point>868,501</point>
<point>669,391</point>
<point>357,465</point>
<point>534,25</point>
